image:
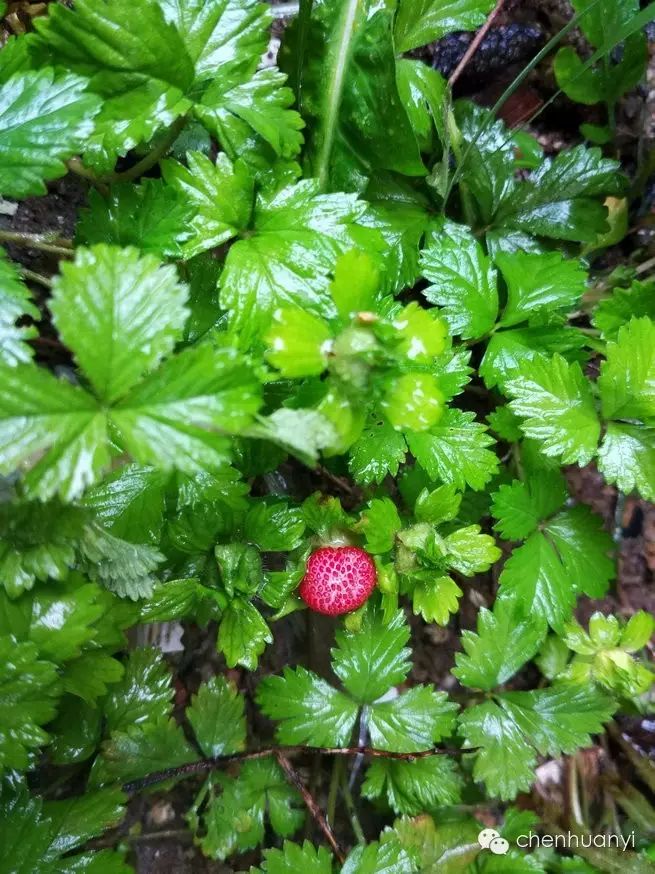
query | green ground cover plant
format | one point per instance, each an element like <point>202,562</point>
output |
<point>333,272</point>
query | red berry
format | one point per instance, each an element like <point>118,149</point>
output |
<point>338,579</point>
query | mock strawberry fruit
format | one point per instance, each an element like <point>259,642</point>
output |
<point>338,579</point>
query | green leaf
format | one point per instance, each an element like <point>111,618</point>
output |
<point>440,505</point>
<point>469,551</point>
<point>507,351</point>
<point>14,305</point>
<point>554,398</point>
<point>220,195</point>
<point>615,311</point>
<point>75,732</point>
<point>220,37</point>
<point>449,848</point>
<point>232,110</point>
<point>455,451</point>
<point>287,257</point>
<point>302,432</point>
<point>29,688</point>
<point>62,620</point>
<point>120,313</point>
<point>512,729</point>
<point>274,526</point>
<point>378,452</point>
<point>151,217</point>
<point>380,523</point>
<point>413,721</point>
<point>123,567</point>
<point>234,820</point>
<point>243,634</point>
<point>143,695</point>
<point>413,401</point>
<point>387,857</point>
<point>600,22</point>
<point>90,676</point>
<point>373,659</point>
<point>76,820</point>
<point>435,598</point>
<point>177,416</point>
<point>568,555</point>
<point>298,343</point>
<point>627,457</point>
<point>45,120</point>
<point>37,542</point>
<point>293,857</point>
<point>520,506</point>
<point>603,82</point>
<point>464,282</point>
<point>137,750</point>
<point>506,639</point>
<point>130,503</point>
<point>563,197</point>
<point>308,710</point>
<point>39,412</point>
<point>413,787</point>
<point>539,285</point>
<point>422,91</point>
<point>420,22</point>
<point>140,68</point>
<point>627,376</point>
<point>350,96</point>
<point>217,717</point>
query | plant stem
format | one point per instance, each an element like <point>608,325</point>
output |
<point>43,242</point>
<point>352,811</point>
<point>35,277</point>
<point>294,777</point>
<point>203,766</point>
<point>337,770</point>
<point>153,157</point>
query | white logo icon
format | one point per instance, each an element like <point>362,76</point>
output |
<point>489,839</point>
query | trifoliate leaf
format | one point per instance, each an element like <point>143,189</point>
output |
<point>627,457</point>
<point>308,709</point>
<point>287,258</point>
<point>14,305</point>
<point>564,197</point>
<point>374,658</point>
<point>506,639</point>
<point>29,688</point>
<point>413,787</point>
<point>137,750</point>
<point>455,450</point>
<point>568,555</point>
<point>463,280</point>
<point>413,721</point>
<point>231,110</point>
<point>378,452</point>
<point>120,313</point>
<point>151,216</point>
<point>217,717</point>
<point>140,68</point>
<point>627,376</point>
<point>143,695</point>
<point>220,195</point>
<point>243,634</point>
<point>44,119</point>
<point>469,551</point>
<point>614,312</point>
<point>293,857</point>
<point>539,285</point>
<point>520,506</point>
<point>555,401</point>
<point>512,729</point>
<point>234,819</point>
<point>422,22</point>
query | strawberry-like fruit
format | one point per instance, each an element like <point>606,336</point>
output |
<point>338,579</point>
